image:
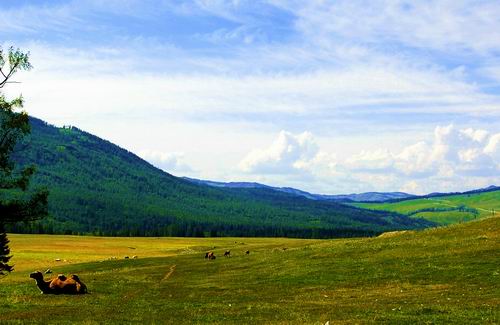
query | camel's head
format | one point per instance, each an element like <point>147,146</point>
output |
<point>37,275</point>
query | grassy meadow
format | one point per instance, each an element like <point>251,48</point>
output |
<point>485,205</point>
<point>442,275</point>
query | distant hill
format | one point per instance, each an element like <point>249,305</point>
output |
<point>97,187</point>
<point>367,197</point>
<point>446,209</point>
<point>361,197</point>
<point>490,188</point>
<point>371,196</point>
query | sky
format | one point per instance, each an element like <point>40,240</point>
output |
<point>325,96</point>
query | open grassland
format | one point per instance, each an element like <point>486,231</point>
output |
<point>442,275</point>
<point>460,208</point>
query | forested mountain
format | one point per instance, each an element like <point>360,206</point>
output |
<point>97,187</point>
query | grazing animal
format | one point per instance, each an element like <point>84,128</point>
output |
<point>210,255</point>
<point>247,252</point>
<point>60,284</point>
<point>227,254</point>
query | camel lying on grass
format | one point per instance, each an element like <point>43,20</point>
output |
<point>60,284</point>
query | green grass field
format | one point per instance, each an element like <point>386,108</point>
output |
<point>485,204</point>
<point>443,275</point>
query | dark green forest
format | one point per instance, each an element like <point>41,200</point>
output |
<point>99,188</point>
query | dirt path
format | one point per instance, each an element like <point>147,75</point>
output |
<point>169,273</point>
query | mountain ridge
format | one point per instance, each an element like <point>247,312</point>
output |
<point>365,197</point>
<point>353,197</point>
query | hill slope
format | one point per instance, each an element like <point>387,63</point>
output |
<point>446,275</point>
<point>446,209</point>
<point>97,187</point>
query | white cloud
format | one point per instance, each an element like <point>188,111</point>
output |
<point>414,159</point>
<point>491,70</point>
<point>287,154</point>
<point>442,25</point>
<point>412,187</point>
<point>476,135</point>
<point>379,160</point>
<point>492,149</point>
<point>453,157</point>
<point>30,18</point>
<point>97,81</point>
<point>169,162</point>
<point>64,17</point>
<point>452,152</point>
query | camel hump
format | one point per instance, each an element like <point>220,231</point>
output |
<point>80,286</point>
<point>62,277</point>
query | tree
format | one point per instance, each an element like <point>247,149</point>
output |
<point>17,201</point>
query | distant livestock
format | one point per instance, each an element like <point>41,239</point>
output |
<point>227,254</point>
<point>60,284</point>
<point>210,256</point>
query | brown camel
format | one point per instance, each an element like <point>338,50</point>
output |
<point>210,255</point>
<point>60,284</point>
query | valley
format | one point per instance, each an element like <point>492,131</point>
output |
<point>99,188</point>
<point>440,275</point>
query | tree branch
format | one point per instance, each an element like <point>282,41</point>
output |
<point>11,72</point>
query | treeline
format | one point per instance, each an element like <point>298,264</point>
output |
<point>460,208</point>
<point>155,228</point>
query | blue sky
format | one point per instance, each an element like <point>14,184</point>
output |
<point>326,96</point>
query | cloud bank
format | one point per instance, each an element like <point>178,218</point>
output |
<point>452,155</point>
